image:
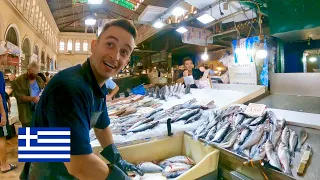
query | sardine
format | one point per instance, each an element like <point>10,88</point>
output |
<point>230,139</point>
<point>275,135</point>
<point>179,159</point>
<point>145,126</point>
<point>285,136</point>
<point>293,141</point>
<point>254,138</point>
<point>152,112</point>
<point>272,155</point>
<point>221,133</point>
<point>284,156</point>
<point>193,118</point>
<point>149,167</point>
<point>302,138</point>
<point>189,114</point>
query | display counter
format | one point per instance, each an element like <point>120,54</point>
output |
<point>129,82</point>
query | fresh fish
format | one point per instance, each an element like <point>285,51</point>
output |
<point>201,128</point>
<point>213,121</point>
<point>293,141</point>
<point>254,138</point>
<point>188,103</point>
<point>171,90</point>
<point>179,159</point>
<point>193,118</point>
<point>211,134</point>
<point>145,126</point>
<point>173,174</point>
<point>282,124</point>
<point>275,135</point>
<point>187,90</point>
<point>221,133</point>
<point>247,121</point>
<point>129,111</point>
<point>272,116</point>
<point>147,92</point>
<point>132,121</point>
<point>230,110</point>
<point>151,92</point>
<point>284,156</point>
<point>158,92</point>
<point>152,112</point>
<point>258,120</point>
<point>211,104</point>
<point>238,119</point>
<point>285,136</point>
<point>260,154</point>
<point>230,139</point>
<point>188,115</point>
<point>156,114</point>
<point>244,133</point>
<point>149,167</point>
<point>272,155</point>
<point>236,145</point>
<point>140,123</point>
<point>255,148</point>
<point>302,138</point>
<point>173,167</point>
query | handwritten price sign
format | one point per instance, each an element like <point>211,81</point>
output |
<point>255,109</point>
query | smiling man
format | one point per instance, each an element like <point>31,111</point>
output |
<point>76,98</point>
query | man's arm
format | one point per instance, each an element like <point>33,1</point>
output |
<point>20,96</point>
<point>113,93</point>
<point>180,80</point>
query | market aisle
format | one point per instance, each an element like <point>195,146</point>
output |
<point>12,155</point>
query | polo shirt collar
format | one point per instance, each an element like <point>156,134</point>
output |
<point>91,80</point>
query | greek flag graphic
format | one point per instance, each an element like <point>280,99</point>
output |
<point>49,144</point>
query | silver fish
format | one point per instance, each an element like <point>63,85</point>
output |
<point>254,137</point>
<point>244,133</point>
<point>211,134</point>
<point>282,123</point>
<point>230,139</point>
<point>173,118</point>
<point>236,145</point>
<point>145,126</point>
<point>230,110</point>
<point>201,128</point>
<point>275,134</point>
<point>175,174</point>
<point>255,148</point>
<point>247,121</point>
<point>257,121</point>
<point>284,156</point>
<point>213,121</point>
<point>132,121</point>
<point>238,119</point>
<point>188,103</point>
<point>285,136</point>
<point>179,159</point>
<point>149,167</point>
<point>221,133</point>
<point>272,155</point>
<point>152,112</point>
<point>302,138</point>
<point>193,118</point>
<point>260,154</point>
<point>272,117</point>
<point>189,114</point>
<point>293,141</point>
<point>140,123</point>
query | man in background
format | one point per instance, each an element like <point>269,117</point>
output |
<point>114,89</point>
<point>189,71</point>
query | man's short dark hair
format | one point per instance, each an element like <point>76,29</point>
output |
<point>122,23</point>
<point>47,73</point>
<point>186,59</point>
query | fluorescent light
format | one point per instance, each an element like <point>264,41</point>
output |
<point>90,22</point>
<point>312,59</point>
<point>158,24</point>
<point>205,18</point>
<point>178,11</point>
<point>262,53</point>
<point>94,1</point>
<point>182,30</point>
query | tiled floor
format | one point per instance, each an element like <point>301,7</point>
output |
<point>12,157</point>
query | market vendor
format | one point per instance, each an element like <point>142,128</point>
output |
<point>110,84</point>
<point>76,98</point>
<point>189,71</point>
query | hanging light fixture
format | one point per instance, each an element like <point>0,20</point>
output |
<point>182,30</point>
<point>313,59</point>
<point>94,1</point>
<point>205,56</point>
<point>178,11</point>
<point>90,21</point>
<point>158,24</point>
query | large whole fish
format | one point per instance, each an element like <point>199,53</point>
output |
<point>174,174</point>
<point>244,133</point>
<point>140,123</point>
<point>285,136</point>
<point>173,167</point>
<point>188,115</point>
<point>256,147</point>
<point>254,138</point>
<point>260,154</point>
<point>272,117</point>
<point>238,119</point>
<point>178,159</point>
<point>211,134</point>
<point>132,121</point>
<point>188,103</point>
<point>145,126</point>
<point>149,167</point>
<point>275,134</point>
<point>201,128</point>
<point>153,112</point>
<point>272,155</point>
<point>193,118</point>
<point>230,139</point>
<point>247,121</point>
<point>302,138</point>
<point>293,141</point>
<point>284,156</point>
<point>221,133</point>
<point>258,120</point>
<point>230,111</point>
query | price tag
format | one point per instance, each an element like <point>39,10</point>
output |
<point>255,109</point>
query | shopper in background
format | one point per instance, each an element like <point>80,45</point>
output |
<point>26,89</point>
<point>5,130</point>
<point>189,71</point>
<point>114,89</point>
<point>47,77</point>
<point>43,77</point>
<point>76,98</point>
<point>8,103</point>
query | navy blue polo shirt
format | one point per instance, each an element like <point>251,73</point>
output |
<point>74,99</point>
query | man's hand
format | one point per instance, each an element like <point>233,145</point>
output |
<point>109,98</point>
<point>185,73</point>
<point>3,120</point>
<point>35,99</point>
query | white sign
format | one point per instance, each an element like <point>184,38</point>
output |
<point>196,36</point>
<point>255,109</point>
<point>243,73</point>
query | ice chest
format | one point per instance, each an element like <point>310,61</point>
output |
<point>206,157</point>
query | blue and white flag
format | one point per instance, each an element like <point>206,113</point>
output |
<point>50,144</point>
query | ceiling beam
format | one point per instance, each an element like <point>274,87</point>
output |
<point>75,20</point>
<point>69,15</point>
<point>67,8</point>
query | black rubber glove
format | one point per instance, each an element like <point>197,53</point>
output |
<point>112,154</point>
<point>117,174</point>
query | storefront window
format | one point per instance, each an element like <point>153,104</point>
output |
<point>61,48</point>
<point>77,45</point>
<point>69,48</point>
<point>85,45</point>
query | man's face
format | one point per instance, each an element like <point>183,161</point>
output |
<point>33,73</point>
<point>111,52</point>
<point>188,65</point>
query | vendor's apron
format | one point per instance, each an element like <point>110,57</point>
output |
<point>58,171</point>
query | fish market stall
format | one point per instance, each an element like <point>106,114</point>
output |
<point>176,157</point>
<point>198,100</point>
